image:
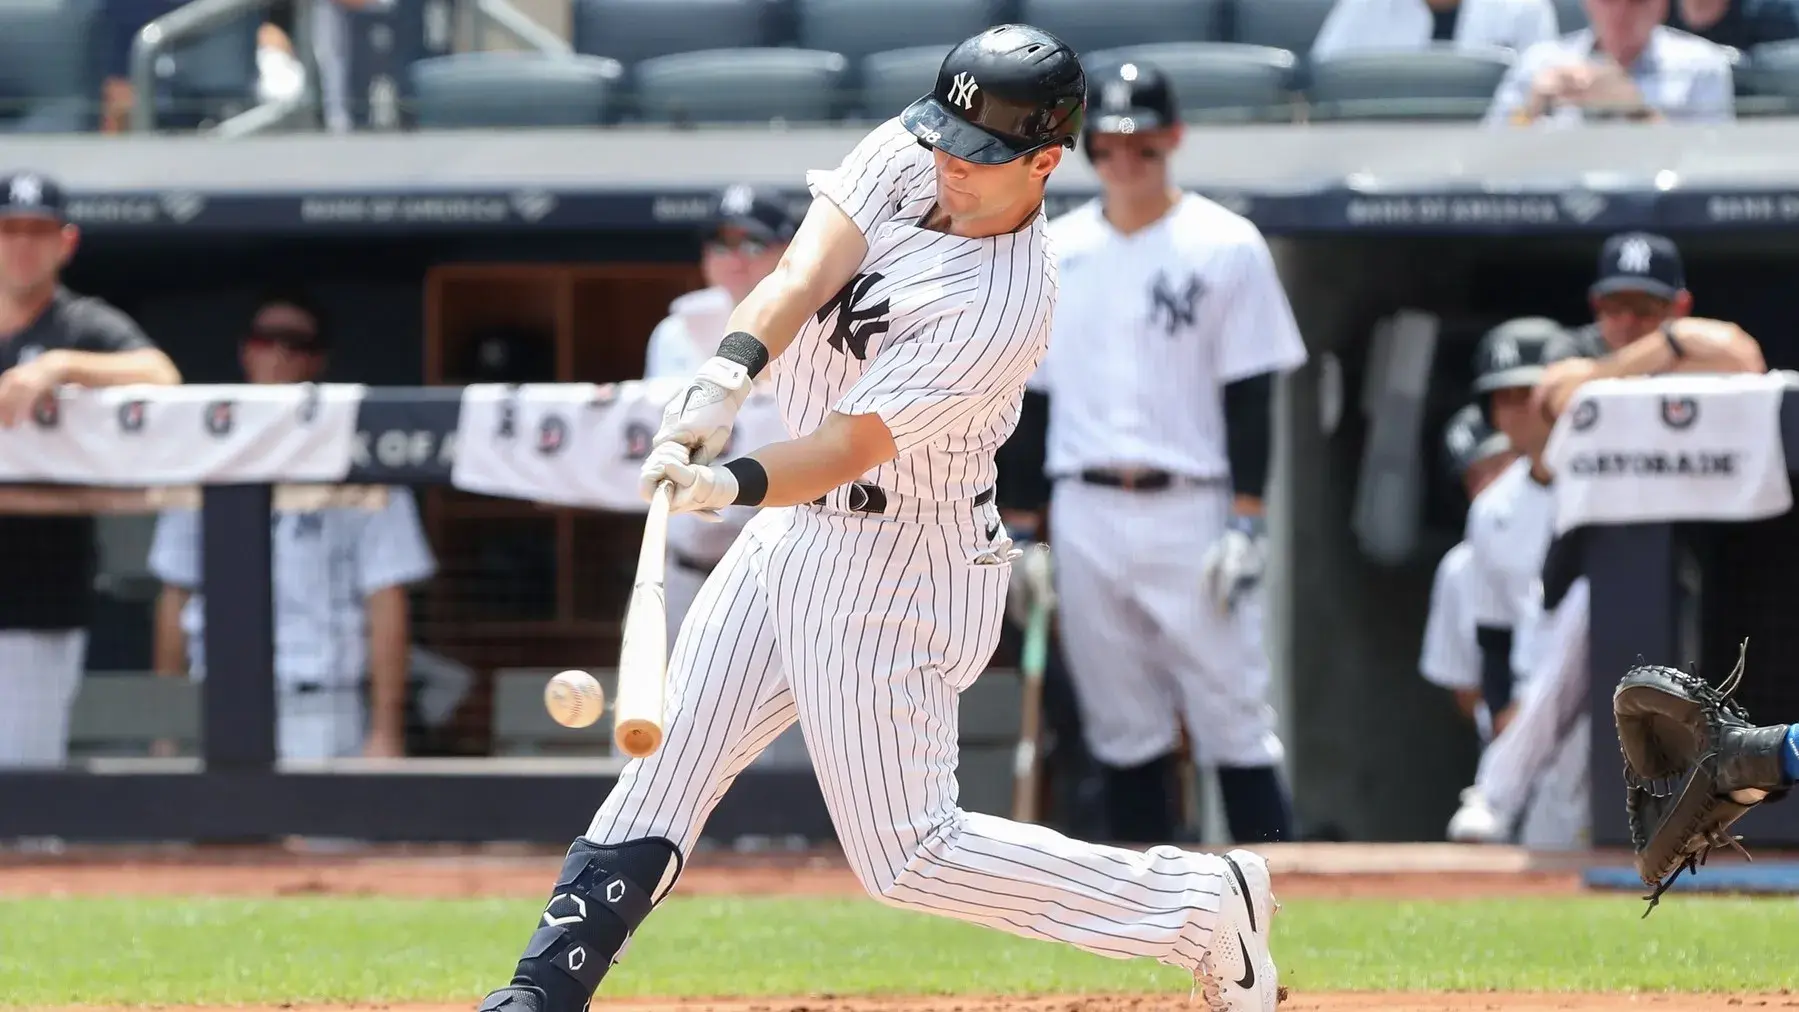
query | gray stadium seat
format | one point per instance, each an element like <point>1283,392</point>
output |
<point>1570,15</point>
<point>1283,24</point>
<point>742,86</point>
<point>1088,25</point>
<point>634,30</point>
<point>513,90</point>
<point>857,28</point>
<point>44,85</point>
<point>1217,80</point>
<point>1768,80</point>
<point>1437,83</point>
<point>892,80</point>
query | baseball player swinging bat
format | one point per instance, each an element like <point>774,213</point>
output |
<point>643,653</point>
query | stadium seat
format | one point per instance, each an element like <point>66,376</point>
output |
<point>891,80</point>
<point>513,90</point>
<point>1217,80</point>
<point>1282,24</point>
<point>1439,83</point>
<point>1570,15</point>
<point>44,85</point>
<point>857,28</point>
<point>742,86</point>
<point>1768,80</point>
<point>210,78</point>
<point>1089,25</point>
<point>634,30</point>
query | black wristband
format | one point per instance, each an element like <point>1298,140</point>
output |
<point>745,350</point>
<point>1673,342</point>
<point>752,481</point>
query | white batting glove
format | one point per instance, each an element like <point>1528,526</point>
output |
<point>1033,583</point>
<point>699,489</point>
<point>701,415</point>
<point>1235,562</point>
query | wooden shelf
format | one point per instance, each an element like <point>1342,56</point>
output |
<point>502,560</point>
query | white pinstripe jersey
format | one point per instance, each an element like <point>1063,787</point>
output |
<point>935,333</point>
<point>1150,327</point>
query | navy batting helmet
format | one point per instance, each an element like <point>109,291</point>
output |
<point>1129,97</point>
<point>1001,95</point>
<point>1514,353</point>
<point>1468,439</point>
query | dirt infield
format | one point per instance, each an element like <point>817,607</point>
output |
<point>1301,871</point>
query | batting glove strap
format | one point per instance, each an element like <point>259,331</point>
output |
<point>1253,526</point>
<point>701,415</point>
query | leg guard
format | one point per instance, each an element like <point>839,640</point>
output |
<point>602,895</point>
<point>1255,804</point>
<point>1140,801</point>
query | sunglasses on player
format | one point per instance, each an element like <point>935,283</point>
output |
<point>290,338</point>
<point>741,244</point>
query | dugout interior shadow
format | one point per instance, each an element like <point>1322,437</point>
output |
<point>1376,752</point>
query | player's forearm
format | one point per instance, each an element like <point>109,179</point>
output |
<point>112,369</point>
<point>836,453</point>
<point>168,645</point>
<point>1249,439</point>
<point>1690,345</point>
<point>389,653</point>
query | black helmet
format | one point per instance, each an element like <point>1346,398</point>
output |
<point>1124,98</point>
<point>1468,439</point>
<point>1001,95</point>
<point>1514,353</point>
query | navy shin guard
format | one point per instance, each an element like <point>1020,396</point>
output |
<point>600,898</point>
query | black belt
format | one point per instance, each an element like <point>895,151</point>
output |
<point>1136,481</point>
<point>690,563</point>
<point>866,498</point>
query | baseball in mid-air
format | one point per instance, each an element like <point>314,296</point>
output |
<point>574,699</point>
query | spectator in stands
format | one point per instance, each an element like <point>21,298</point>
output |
<point>1640,305</point>
<point>1360,25</point>
<point>332,23</point>
<point>49,337</point>
<point>342,624</point>
<point>1627,65</point>
<point>1739,24</point>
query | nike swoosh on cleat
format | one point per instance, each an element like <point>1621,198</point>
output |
<point>1249,965</point>
<point>993,532</point>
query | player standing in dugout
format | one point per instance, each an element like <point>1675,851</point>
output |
<point>868,592</point>
<point>1169,332</point>
<point>50,337</point>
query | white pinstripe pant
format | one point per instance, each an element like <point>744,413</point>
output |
<point>40,670</point>
<point>865,630</point>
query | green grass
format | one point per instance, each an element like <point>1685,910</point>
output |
<point>217,951</point>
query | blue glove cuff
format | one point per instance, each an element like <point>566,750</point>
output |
<point>1253,526</point>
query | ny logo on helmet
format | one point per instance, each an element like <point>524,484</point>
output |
<point>961,91</point>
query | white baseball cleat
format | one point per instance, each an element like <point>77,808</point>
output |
<point>1237,973</point>
<point>1476,821</point>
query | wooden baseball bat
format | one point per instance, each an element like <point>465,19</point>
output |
<point>643,652</point>
<point>1027,760</point>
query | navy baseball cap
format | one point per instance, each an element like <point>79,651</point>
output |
<point>1639,262</point>
<point>1127,97</point>
<point>30,195</point>
<point>1468,439</point>
<point>760,214</point>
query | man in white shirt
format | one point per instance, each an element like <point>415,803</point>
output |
<point>744,240</point>
<point>1170,331</point>
<point>1373,25</point>
<point>1476,454</point>
<point>1627,65</point>
<point>342,624</point>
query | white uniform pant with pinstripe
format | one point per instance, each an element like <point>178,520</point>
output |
<point>1146,649</point>
<point>865,629</point>
<point>40,671</point>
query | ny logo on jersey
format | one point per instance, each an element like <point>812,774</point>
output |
<point>855,325</point>
<point>1173,308</point>
<point>961,91</point>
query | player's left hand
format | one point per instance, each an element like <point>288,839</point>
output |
<point>701,415</point>
<point>699,489</point>
<point>1235,562</point>
<point>22,386</point>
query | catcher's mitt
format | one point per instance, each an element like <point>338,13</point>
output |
<point>1693,765</point>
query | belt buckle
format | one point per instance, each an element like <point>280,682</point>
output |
<point>865,498</point>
